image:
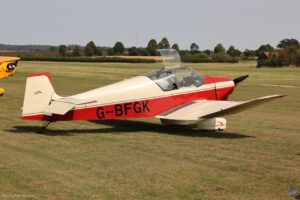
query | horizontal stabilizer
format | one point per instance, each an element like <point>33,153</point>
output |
<point>59,108</point>
<point>75,101</point>
<point>64,105</point>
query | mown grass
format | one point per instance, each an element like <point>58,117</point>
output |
<point>257,157</point>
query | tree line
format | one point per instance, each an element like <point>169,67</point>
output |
<point>90,49</point>
<point>192,54</point>
<point>287,52</point>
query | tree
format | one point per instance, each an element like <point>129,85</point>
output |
<point>110,52</point>
<point>76,51</point>
<point>164,44</point>
<point>90,49</point>
<point>249,53</point>
<point>176,47</point>
<point>133,51</point>
<point>208,52</point>
<point>233,52</point>
<point>143,52</point>
<point>289,43</point>
<point>52,48</point>
<point>152,47</point>
<point>118,48</point>
<point>63,50</point>
<point>194,48</point>
<point>264,48</point>
<point>219,48</point>
<point>99,51</point>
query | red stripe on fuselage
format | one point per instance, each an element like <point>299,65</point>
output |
<point>134,109</point>
<point>215,79</point>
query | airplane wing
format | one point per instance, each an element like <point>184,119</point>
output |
<point>63,105</point>
<point>203,109</point>
<point>8,59</point>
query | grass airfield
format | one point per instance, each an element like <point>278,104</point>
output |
<point>257,157</point>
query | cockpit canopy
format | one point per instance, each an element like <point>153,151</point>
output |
<point>175,78</point>
<point>173,75</point>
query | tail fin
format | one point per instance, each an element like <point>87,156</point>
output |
<point>38,94</point>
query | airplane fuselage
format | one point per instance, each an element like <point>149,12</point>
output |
<point>137,97</point>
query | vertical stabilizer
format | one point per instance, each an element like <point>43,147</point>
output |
<point>38,94</point>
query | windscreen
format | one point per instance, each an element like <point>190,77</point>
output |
<point>171,58</point>
<point>175,78</point>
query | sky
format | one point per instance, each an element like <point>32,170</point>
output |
<point>244,24</point>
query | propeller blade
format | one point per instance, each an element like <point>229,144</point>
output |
<point>240,79</point>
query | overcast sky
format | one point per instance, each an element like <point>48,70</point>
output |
<point>245,24</point>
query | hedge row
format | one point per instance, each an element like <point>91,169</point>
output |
<point>88,59</point>
<point>189,59</point>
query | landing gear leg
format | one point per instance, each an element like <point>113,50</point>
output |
<point>44,127</point>
<point>1,92</point>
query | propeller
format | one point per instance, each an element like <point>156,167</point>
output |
<point>240,79</point>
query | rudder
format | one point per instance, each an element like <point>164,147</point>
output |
<point>38,94</point>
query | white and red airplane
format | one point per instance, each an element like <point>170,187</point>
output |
<point>175,94</point>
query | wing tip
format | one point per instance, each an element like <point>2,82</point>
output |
<point>280,95</point>
<point>275,96</point>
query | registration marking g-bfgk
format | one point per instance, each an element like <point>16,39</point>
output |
<point>119,110</point>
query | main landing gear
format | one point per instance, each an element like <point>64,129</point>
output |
<point>1,92</point>
<point>44,127</point>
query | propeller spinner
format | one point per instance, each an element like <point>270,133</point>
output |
<point>10,67</point>
<point>240,79</point>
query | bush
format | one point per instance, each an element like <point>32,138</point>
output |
<point>224,58</point>
<point>195,58</point>
<point>245,58</point>
<point>204,58</point>
<point>133,51</point>
<point>297,63</point>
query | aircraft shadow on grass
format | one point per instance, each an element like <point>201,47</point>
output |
<point>130,126</point>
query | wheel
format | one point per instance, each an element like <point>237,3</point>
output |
<point>1,92</point>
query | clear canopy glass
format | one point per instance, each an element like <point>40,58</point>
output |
<point>174,78</point>
<point>173,75</point>
<point>170,58</point>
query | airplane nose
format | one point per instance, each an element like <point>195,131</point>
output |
<point>10,67</point>
<point>240,79</point>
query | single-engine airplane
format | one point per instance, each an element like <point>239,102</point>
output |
<point>7,68</point>
<point>175,94</point>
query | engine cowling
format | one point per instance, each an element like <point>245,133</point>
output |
<point>10,67</point>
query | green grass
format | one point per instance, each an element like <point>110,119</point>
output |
<point>257,157</point>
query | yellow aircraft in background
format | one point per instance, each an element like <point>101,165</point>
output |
<point>7,68</point>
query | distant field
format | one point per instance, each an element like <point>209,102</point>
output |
<point>257,157</point>
<point>7,51</point>
<point>157,58</point>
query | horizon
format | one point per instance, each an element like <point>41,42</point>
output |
<point>127,47</point>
